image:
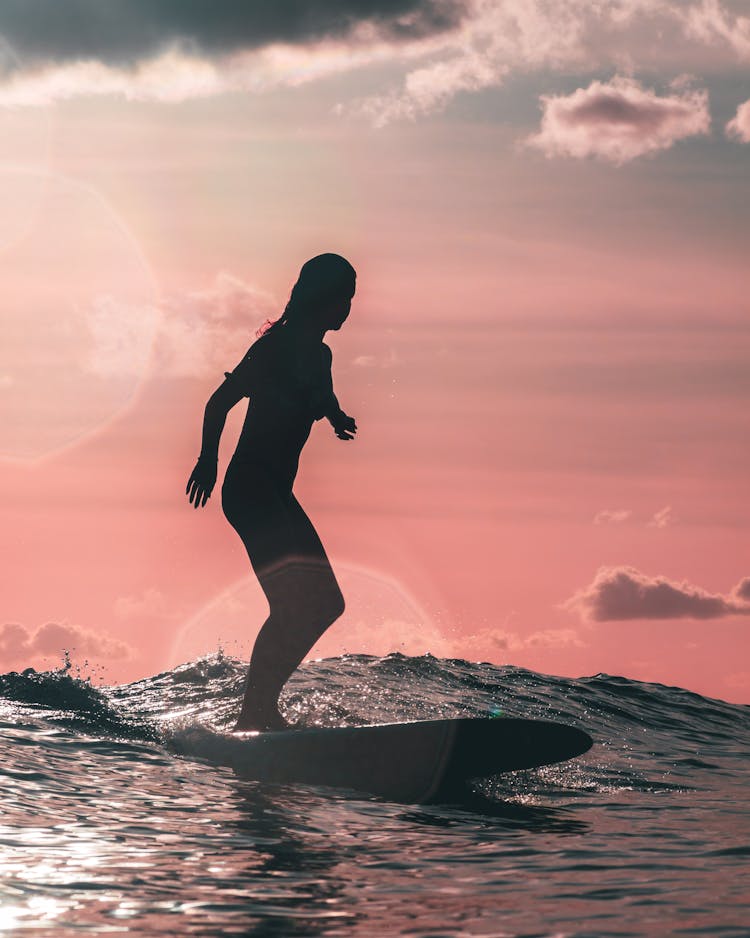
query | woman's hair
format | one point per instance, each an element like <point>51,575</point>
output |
<point>323,278</point>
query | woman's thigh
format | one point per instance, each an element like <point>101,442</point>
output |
<point>316,582</point>
<point>283,546</point>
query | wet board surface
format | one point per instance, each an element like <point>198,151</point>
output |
<point>411,762</point>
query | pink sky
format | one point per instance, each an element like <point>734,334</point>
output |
<point>547,354</point>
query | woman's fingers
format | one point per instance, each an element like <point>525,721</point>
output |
<point>199,494</point>
<point>197,489</point>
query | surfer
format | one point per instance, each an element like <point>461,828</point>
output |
<point>286,374</point>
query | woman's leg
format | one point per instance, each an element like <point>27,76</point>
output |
<point>296,576</point>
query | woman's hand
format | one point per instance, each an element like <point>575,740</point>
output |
<point>202,481</point>
<point>343,425</point>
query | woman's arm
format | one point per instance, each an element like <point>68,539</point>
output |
<point>344,426</point>
<point>203,477</point>
<point>215,415</point>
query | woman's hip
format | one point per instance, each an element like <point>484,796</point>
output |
<point>270,521</point>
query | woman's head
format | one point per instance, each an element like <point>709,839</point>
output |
<point>322,296</point>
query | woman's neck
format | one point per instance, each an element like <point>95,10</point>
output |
<point>306,333</point>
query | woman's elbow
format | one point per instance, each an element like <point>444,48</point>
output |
<point>222,401</point>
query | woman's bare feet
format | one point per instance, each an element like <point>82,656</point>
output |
<point>265,722</point>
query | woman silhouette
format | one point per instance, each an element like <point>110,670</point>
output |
<point>286,374</point>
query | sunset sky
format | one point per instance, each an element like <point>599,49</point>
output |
<point>548,206</point>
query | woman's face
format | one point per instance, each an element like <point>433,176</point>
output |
<point>338,311</point>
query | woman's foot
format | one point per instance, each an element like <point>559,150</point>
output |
<point>263,722</point>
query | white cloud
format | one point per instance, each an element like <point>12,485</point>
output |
<point>390,360</point>
<point>172,76</point>
<point>152,603</point>
<point>618,121</point>
<point>430,87</point>
<point>497,644</point>
<point>190,335</point>
<point>663,518</point>
<point>502,37</point>
<point>622,593</point>
<point>612,516</point>
<point>711,22</point>
<point>739,126</point>
<point>121,336</point>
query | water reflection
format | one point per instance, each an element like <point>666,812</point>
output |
<point>505,815</point>
<point>300,860</point>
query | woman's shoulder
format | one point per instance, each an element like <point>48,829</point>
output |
<point>267,346</point>
<point>256,365</point>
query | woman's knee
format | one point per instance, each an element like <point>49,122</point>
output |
<point>329,607</point>
<point>337,605</point>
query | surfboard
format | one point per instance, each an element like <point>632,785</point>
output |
<point>415,762</point>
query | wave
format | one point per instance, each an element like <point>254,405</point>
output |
<point>356,689</point>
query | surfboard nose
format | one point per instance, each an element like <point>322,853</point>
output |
<point>505,744</point>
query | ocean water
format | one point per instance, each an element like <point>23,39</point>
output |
<point>104,830</point>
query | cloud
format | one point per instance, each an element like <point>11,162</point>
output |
<point>495,644</point>
<point>130,31</point>
<point>551,638</point>
<point>501,37</point>
<point>623,593</point>
<point>663,518</point>
<point>739,126</point>
<point>186,335</point>
<point>430,87</point>
<point>612,516</point>
<point>712,21</point>
<point>741,592</point>
<point>152,603</point>
<point>361,636</point>
<point>416,638</point>
<point>203,330</point>
<point>740,680</point>
<point>391,360</point>
<point>618,121</point>
<point>172,76</point>
<point>21,645</point>
<point>170,50</point>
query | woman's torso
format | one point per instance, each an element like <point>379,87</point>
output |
<point>286,379</point>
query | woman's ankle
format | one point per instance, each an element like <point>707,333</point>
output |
<point>263,720</point>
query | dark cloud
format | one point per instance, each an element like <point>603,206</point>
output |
<point>609,107</point>
<point>619,593</point>
<point>125,31</point>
